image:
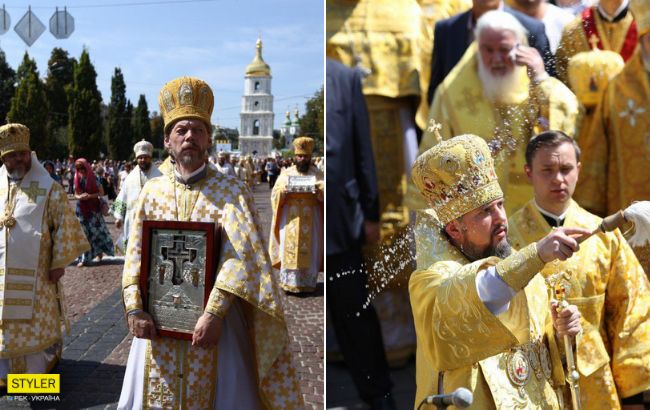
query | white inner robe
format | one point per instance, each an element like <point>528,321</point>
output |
<point>236,383</point>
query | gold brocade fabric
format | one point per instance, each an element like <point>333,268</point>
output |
<point>574,40</point>
<point>62,240</point>
<point>432,12</point>
<point>459,336</point>
<point>613,295</point>
<point>176,373</point>
<point>297,250</point>
<point>388,152</point>
<point>461,108</point>
<point>616,152</point>
<point>384,35</point>
<point>242,270</point>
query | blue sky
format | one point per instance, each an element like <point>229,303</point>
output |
<point>212,40</point>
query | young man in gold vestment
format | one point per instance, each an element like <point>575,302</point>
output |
<point>296,243</point>
<point>607,283</point>
<point>501,92</point>
<point>39,236</point>
<point>482,315</point>
<point>238,357</point>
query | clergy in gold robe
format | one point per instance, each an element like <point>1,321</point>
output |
<point>296,243</point>
<point>39,237</point>
<point>432,12</point>
<point>616,152</point>
<point>609,23</point>
<point>382,38</point>
<point>490,94</point>
<point>606,280</point>
<point>238,356</point>
<point>481,311</point>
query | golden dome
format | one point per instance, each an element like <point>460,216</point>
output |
<point>258,67</point>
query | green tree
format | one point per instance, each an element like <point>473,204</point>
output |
<point>141,125</point>
<point>7,87</point>
<point>84,114</point>
<point>312,123</point>
<point>120,134</point>
<point>29,106</point>
<point>157,130</point>
<point>60,76</point>
<point>26,66</point>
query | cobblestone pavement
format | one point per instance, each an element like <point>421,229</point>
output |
<point>96,350</point>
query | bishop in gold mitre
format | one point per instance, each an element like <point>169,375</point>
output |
<point>482,315</point>
<point>39,236</point>
<point>241,330</point>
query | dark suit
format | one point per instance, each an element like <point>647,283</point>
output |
<point>451,39</point>
<point>352,197</point>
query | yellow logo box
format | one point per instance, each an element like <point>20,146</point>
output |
<point>34,383</point>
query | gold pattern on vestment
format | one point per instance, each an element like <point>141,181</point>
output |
<point>607,285</point>
<point>614,153</point>
<point>62,240</point>
<point>243,270</point>
<point>459,336</point>
<point>574,39</point>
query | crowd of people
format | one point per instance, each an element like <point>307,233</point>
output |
<point>475,111</point>
<point>43,234</point>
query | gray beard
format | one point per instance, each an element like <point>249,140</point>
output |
<point>17,174</point>
<point>187,159</point>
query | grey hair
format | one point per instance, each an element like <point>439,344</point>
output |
<point>500,20</point>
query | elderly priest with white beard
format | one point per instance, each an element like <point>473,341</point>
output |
<point>501,91</point>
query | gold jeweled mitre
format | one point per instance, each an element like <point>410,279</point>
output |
<point>186,98</point>
<point>590,71</point>
<point>13,137</point>
<point>457,176</point>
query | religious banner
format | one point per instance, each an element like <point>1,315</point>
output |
<point>178,273</point>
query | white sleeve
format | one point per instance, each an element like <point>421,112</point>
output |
<point>493,291</point>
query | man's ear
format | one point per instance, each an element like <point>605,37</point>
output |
<point>454,231</point>
<point>529,173</point>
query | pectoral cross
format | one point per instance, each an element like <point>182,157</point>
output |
<point>33,192</point>
<point>594,40</point>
